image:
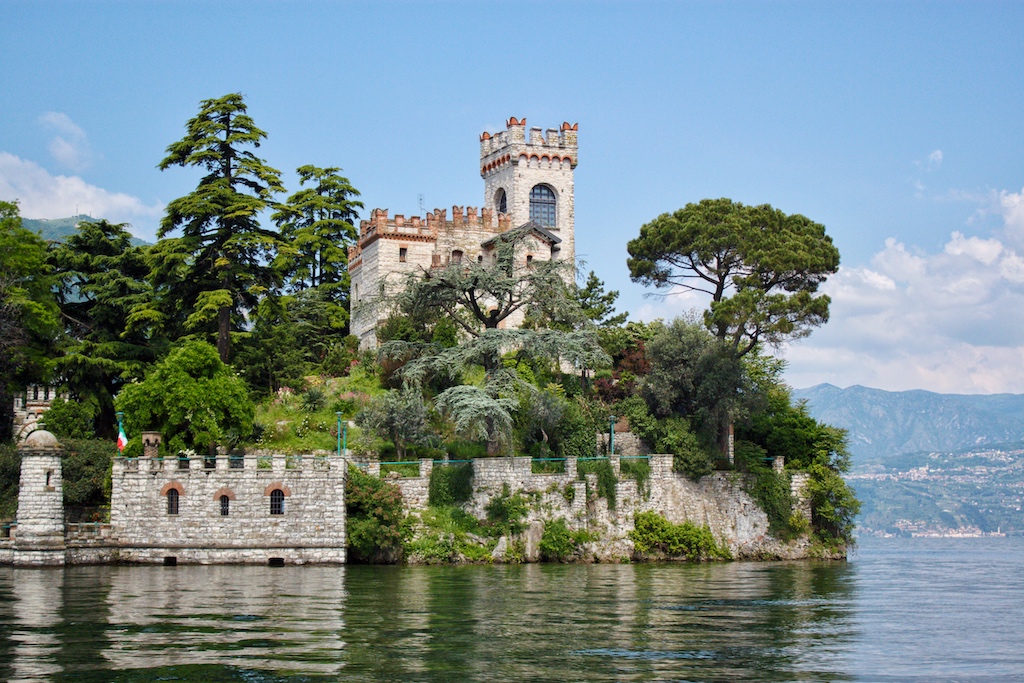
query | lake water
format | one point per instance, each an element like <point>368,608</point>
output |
<point>936,610</point>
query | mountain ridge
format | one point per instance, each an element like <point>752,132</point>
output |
<point>884,423</point>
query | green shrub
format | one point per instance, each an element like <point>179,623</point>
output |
<point>652,532</point>
<point>466,450</point>
<point>85,472</point>
<point>770,489</point>
<point>376,524</point>
<point>606,479</point>
<point>505,511</point>
<point>557,544</point>
<point>313,399</point>
<point>444,536</point>
<point>450,484</point>
<point>569,493</point>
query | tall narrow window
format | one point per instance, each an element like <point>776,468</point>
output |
<point>542,206</point>
<point>403,253</point>
<point>225,506</point>
<point>277,502</point>
<point>456,256</point>
<point>172,502</point>
<point>501,202</point>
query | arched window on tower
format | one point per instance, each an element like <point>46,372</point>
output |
<point>172,502</point>
<point>542,206</point>
<point>225,506</point>
<point>501,201</point>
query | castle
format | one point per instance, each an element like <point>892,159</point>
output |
<point>528,183</point>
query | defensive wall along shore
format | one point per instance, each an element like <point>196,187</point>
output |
<point>276,508</point>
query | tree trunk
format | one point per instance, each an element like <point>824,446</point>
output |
<point>493,443</point>
<point>224,333</point>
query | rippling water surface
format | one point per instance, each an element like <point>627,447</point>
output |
<point>900,610</point>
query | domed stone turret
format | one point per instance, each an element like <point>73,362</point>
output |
<point>40,530</point>
<point>40,440</point>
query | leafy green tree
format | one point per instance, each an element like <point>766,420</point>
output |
<point>191,397</point>
<point>102,277</point>
<point>694,375</point>
<point>318,225</point>
<point>206,279</point>
<point>400,416</point>
<point>833,505</point>
<point>28,311</point>
<point>760,267</point>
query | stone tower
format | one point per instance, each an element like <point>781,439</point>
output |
<point>40,530</point>
<point>530,177</point>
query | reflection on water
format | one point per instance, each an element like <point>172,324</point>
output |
<point>253,617</point>
<point>876,618</point>
<point>742,621</point>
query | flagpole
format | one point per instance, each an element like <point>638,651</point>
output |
<point>120,430</point>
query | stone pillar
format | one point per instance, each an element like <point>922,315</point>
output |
<point>779,464</point>
<point>798,489</point>
<point>426,467</point>
<point>613,460</point>
<point>40,534</point>
<point>570,468</point>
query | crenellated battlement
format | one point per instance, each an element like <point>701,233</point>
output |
<point>555,145</point>
<point>379,225</point>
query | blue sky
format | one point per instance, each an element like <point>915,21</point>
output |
<point>899,126</point>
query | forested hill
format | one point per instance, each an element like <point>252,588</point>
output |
<point>57,229</point>
<point>887,423</point>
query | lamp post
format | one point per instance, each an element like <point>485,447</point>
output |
<point>339,432</point>
<point>611,435</point>
<point>344,437</point>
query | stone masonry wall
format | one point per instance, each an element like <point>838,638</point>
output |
<point>717,500</point>
<point>312,528</point>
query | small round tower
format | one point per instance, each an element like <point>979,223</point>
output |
<point>39,537</point>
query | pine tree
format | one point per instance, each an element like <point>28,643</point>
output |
<point>221,265</point>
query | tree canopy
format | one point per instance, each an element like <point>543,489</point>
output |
<point>102,277</point>
<point>760,267</point>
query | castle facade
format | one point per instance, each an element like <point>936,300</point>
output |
<point>528,182</point>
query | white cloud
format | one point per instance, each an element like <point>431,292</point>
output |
<point>935,158</point>
<point>42,195</point>
<point>1011,205</point>
<point>950,321</point>
<point>69,146</point>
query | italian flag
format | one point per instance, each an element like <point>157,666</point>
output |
<point>122,440</point>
